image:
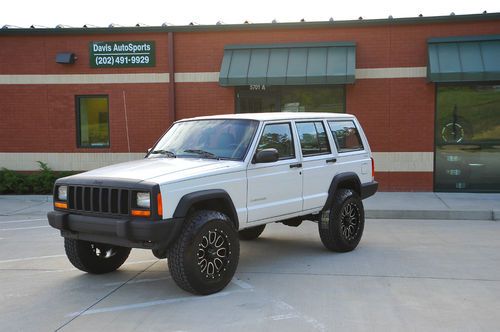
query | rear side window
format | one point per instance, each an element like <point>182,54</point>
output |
<point>346,136</point>
<point>278,136</point>
<point>313,140</point>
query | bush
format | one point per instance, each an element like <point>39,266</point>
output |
<point>41,182</point>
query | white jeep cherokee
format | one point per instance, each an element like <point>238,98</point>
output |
<point>208,179</point>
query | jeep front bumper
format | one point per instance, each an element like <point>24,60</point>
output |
<point>129,232</point>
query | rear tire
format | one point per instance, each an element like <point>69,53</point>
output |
<point>204,258</point>
<point>251,233</point>
<point>96,258</point>
<point>341,228</point>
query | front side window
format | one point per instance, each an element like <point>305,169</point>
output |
<point>212,139</point>
<point>313,140</point>
<point>346,136</point>
<point>278,136</point>
<point>93,121</point>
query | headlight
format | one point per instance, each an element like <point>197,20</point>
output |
<point>62,193</point>
<point>143,200</point>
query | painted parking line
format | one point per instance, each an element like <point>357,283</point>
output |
<point>30,258</point>
<point>139,281</point>
<point>16,221</point>
<point>242,284</point>
<point>125,264</point>
<point>22,228</point>
<point>142,305</point>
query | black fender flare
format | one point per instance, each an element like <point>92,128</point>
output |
<point>190,199</point>
<point>350,177</point>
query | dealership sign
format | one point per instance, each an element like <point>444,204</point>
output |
<point>122,54</point>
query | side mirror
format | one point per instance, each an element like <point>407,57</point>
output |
<point>149,150</point>
<point>266,156</point>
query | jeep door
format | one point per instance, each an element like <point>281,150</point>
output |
<point>275,188</point>
<point>318,163</point>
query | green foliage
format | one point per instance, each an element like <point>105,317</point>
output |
<point>41,182</point>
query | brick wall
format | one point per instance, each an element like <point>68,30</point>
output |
<point>37,54</point>
<point>397,114</point>
<point>43,118</point>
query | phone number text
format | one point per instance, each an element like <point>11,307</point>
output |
<point>122,60</point>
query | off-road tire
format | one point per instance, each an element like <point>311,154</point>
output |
<point>96,258</point>
<point>204,258</point>
<point>341,229</point>
<point>160,253</point>
<point>251,233</point>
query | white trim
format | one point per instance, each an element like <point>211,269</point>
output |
<point>197,77</point>
<point>404,161</point>
<point>361,73</point>
<point>396,72</point>
<point>384,161</point>
<point>86,78</point>
<point>63,161</point>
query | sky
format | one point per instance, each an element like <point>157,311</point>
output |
<point>24,13</point>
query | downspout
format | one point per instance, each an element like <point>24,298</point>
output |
<point>171,67</point>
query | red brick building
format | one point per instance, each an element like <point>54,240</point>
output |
<point>426,89</point>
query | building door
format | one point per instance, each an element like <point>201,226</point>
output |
<point>257,101</point>
<point>467,138</point>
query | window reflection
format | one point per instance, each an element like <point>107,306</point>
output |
<point>468,138</point>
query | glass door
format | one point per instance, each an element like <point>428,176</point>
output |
<point>257,102</point>
<point>467,137</point>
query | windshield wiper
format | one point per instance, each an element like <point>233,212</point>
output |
<point>167,153</point>
<point>203,153</point>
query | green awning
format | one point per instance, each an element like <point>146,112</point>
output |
<point>461,59</point>
<point>288,64</point>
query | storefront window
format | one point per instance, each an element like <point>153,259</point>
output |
<point>468,138</point>
<point>311,98</point>
<point>93,121</point>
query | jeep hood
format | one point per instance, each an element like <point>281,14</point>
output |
<point>150,168</point>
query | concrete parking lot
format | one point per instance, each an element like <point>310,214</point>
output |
<point>411,275</point>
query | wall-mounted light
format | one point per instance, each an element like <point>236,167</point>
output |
<point>66,58</point>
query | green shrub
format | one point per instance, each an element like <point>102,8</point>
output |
<point>41,182</point>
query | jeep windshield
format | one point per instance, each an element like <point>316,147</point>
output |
<point>208,139</point>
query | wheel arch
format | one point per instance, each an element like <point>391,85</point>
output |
<point>212,199</point>
<point>347,180</point>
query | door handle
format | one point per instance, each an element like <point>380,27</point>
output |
<point>299,165</point>
<point>333,160</point>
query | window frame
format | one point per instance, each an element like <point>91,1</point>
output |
<point>78,122</point>
<point>339,150</point>
<point>317,138</point>
<point>292,138</point>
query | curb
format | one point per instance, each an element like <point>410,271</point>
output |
<point>492,215</point>
<point>27,198</point>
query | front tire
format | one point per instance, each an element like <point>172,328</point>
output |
<point>341,228</point>
<point>251,233</point>
<point>96,258</point>
<point>204,258</point>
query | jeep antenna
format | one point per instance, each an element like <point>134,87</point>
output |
<point>126,123</point>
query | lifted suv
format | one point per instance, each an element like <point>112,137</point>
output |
<point>211,181</point>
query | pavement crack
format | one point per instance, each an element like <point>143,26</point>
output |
<point>370,276</point>
<point>442,200</point>
<point>104,297</point>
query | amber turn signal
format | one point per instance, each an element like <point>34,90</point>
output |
<point>141,213</point>
<point>61,205</point>
<point>160,204</point>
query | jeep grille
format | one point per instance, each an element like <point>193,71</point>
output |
<point>99,200</point>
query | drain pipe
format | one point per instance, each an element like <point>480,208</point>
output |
<point>171,67</point>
